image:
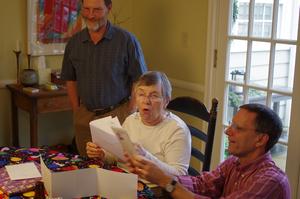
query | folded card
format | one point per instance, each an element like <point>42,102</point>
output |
<point>89,182</point>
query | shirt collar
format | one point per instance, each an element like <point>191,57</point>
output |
<point>107,35</point>
<point>265,157</point>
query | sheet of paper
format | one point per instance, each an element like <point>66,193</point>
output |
<point>117,185</point>
<point>75,184</point>
<point>22,171</point>
<point>104,136</point>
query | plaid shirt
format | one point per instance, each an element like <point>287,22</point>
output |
<point>259,179</point>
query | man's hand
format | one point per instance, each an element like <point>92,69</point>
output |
<point>147,170</point>
<point>94,151</point>
<point>140,150</point>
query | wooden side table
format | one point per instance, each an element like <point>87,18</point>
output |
<point>35,103</point>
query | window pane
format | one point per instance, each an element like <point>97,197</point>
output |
<point>284,67</point>
<point>268,12</point>
<point>281,104</point>
<point>237,60</point>
<point>279,153</point>
<point>239,17</point>
<point>226,144</point>
<point>267,28</point>
<point>288,16</point>
<point>263,13</point>
<point>257,96</point>
<point>259,71</point>
<point>235,99</point>
<point>259,11</point>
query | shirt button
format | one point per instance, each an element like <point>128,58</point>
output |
<point>242,175</point>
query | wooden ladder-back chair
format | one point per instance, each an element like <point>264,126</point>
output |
<point>195,108</point>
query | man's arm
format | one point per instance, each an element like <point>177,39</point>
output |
<point>149,171</point>
<point>73,94</point>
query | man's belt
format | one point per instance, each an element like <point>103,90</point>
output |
<point>110,108</point>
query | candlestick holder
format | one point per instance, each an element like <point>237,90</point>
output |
<point>28,59</point>
<point>17,53</point>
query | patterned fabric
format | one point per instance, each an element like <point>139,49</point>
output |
<point>259,179</point>
<point>16,186</point>
<point>56,161</point>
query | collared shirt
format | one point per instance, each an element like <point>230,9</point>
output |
<point>259,179</point>
<point>104,71</point>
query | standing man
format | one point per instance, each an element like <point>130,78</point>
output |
<point>249,173</point>
<point>100,65</point>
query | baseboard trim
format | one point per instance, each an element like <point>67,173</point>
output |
<point>187,85</point>
<point>4,82</point>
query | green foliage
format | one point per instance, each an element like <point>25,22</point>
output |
<point>255,93</point>
<point>235,10</point>
<point>234,99</point>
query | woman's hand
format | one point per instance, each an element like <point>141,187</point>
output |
<point>94,151</point>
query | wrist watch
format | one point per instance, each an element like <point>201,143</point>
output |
<point>171,186</point>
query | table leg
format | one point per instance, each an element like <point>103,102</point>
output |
<point>33,127</point>
<point>14,119</point>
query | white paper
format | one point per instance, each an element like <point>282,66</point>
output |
<point>75,183</point>
<point>117,185</point>
<point>89,182</point>
<point>22,171</point>
<point>104,136</point>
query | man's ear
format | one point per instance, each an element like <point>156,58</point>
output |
<point>262,140</point>
<point>109,7</point>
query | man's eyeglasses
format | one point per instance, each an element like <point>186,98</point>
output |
<point>152,97</point>
<point>236,127</point>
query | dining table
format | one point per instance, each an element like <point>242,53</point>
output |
<point>56,161</point>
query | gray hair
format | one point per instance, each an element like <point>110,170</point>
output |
<point>154,77</point>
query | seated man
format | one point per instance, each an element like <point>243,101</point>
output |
<point>249,173</point>
<point>161,136</point>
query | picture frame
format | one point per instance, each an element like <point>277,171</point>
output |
<point>50,24</point>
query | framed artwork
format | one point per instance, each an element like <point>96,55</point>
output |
<point>50,24</point>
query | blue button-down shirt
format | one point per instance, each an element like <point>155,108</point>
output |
<point>104,71</point>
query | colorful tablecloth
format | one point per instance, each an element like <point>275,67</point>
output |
<point>56,161</point>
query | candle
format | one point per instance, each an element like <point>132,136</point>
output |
<point>17,45</point>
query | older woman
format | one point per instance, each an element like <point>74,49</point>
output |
<point>161,136</point>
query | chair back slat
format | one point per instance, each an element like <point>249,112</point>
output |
<point>189,106</point>
<point>197,133</point>
<point>198,154</point>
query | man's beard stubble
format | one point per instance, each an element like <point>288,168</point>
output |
<point>96,26</point>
